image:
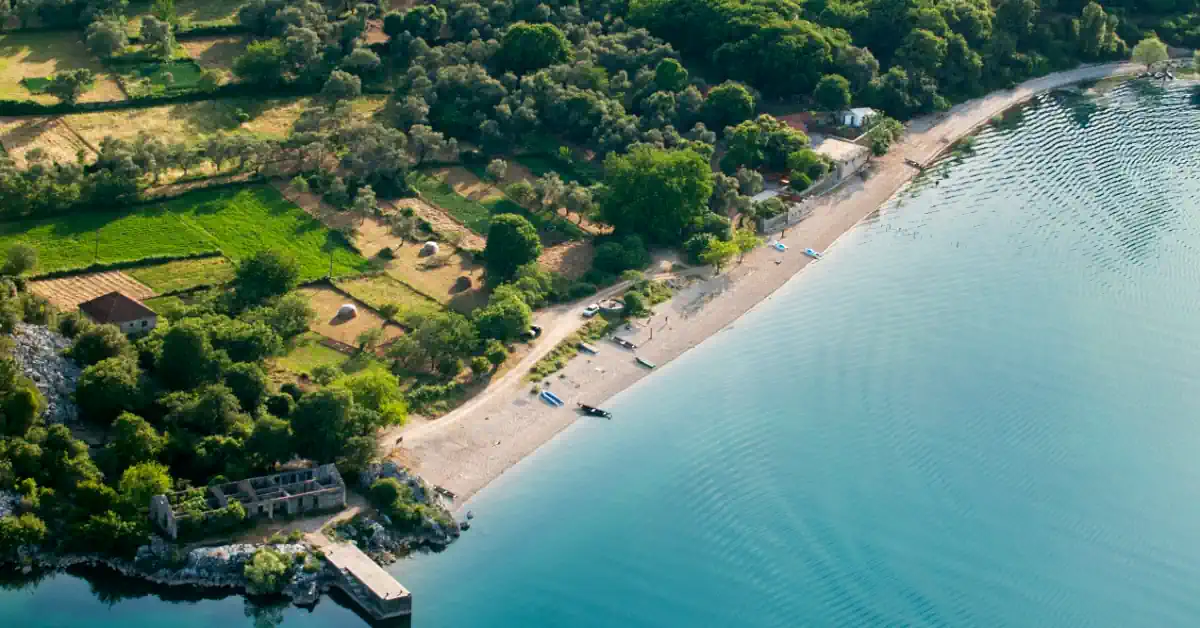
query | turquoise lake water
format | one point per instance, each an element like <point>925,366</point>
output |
<point>979,409</point>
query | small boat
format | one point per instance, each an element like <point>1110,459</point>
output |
<point>552,399</point>
<point>813,254</point>
<point>587,348</point>
<point>594,411</point>
<point>779,246</point>
<point>646,363</point>
<point>464,525</point>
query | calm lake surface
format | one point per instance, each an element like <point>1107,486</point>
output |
<point>979,409</point>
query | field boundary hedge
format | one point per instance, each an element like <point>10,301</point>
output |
<point>153,260</point>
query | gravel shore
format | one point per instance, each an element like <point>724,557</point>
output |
<point>468,448</point>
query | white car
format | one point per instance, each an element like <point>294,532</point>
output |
<point>591,310</point>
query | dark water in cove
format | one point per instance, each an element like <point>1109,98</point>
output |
<point>979,409</point>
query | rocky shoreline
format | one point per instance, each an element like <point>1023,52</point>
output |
<point>218,567</point>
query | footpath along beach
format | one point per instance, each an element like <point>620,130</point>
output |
<point>468,448</point>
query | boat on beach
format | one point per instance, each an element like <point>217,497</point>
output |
<point>813,254</point>
<point>552,399</point>
<point>594,411</point>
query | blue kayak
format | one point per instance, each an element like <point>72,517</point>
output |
<point>813,254</point>
<point>552,399</point>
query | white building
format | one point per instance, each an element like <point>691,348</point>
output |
<point>847,157</point>
<point>121,310</point>
<point>857,117</point>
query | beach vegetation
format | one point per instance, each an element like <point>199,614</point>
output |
<point>1149,52</point>
<point>503,319</point>
<point>558,358</point>
<point>883,133</point>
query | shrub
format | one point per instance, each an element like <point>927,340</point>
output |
<point>581,289</point>
<point>292,391</point>
<point>635,304</point>
<point>495,352</point>
<point>281,405</point>
<point>389,310</point>
<point>697,245</point>
<point>449,367</point>
<point>266,573</point>
<point>98,343</point>
<point>386,253</point>
<point>480,365</point>
<point>616,256</point>
<point>325,374</point>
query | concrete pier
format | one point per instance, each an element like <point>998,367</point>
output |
<point>375,590</point>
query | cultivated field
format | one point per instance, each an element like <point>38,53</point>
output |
<point>19,135</point>
<point>449,277</point>
<point>380,290</point>
<point>38,55</point>
<point>235,221</point>
<point>66,293</point>
<point>184,274</point>
<point>326,303</point>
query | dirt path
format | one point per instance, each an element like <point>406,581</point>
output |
<point>471,446</point>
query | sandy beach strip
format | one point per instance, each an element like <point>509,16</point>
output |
<point>468,448</point>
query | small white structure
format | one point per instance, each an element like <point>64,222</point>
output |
<point>857,117</point>
<point>348,310</point>
<point>430,248</point>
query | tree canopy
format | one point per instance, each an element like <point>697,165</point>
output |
<point>512,242</point>
<point>656,192</point>
<point>526,47</point>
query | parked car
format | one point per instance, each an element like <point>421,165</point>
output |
<point>591,310</point>
<point>533,332</point>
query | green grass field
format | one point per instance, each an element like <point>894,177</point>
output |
<point>235,221</point>
<point>161,79</point>
<point>307,353</point>
<point>184,274</point>
<point>36,84</point>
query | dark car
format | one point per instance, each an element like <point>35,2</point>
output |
<point>533,332</point>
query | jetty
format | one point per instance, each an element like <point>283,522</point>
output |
<point>374,589</point>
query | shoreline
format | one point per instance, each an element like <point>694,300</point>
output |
<point>470,447</point>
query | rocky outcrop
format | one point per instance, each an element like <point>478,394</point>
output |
<point>383,541</point>
<point>38,351</point>
<point>207,567</point>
